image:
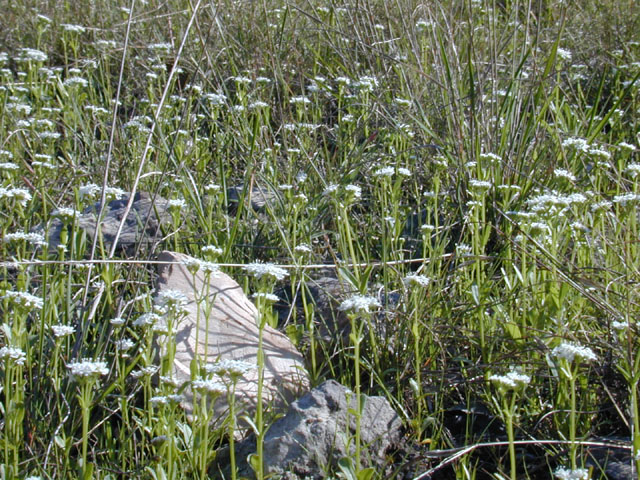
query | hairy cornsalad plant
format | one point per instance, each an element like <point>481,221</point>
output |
<point>469,169</point>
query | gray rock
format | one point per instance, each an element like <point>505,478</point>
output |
<point>614,462</point>
<point>142,225</point>
<point>258,196</point>
<point>326,294</point>
<point>229,332</point>
<point>318,430</point>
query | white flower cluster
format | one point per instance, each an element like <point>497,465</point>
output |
<point>88,368</point>
<point>479,185</point>
<point>562,173</point>
<point>259,270</point>
<point>15,354</point>
<point>513,379</point>
<point>569,351</point>
<point>415,279</point>
<point>165,399</point>
<point>24,299</point>
<point>146,319</point>
<point>212,250</point>
<point>32,238</point>
<point>206,386</point>
<point>629,198</point>
<point>302,248</point>
<point>232,368</point>
<point>390,171</point>
<point>359,304</point>
<point>65,213</point>
<point>91,190</point>
<point>269,297</point>
<point>568,474</point>
<point>60,331</point>
<point>20,194</point>
<point>208,268</point>
<point>171,298</point>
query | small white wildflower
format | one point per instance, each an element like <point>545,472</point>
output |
<point>602,205</point>
<point>259,270</point>
<point>75,82</point>
<point>32,238</point>
<point>62,330</point>
<point>563,54</point>
<point>616,325</point>
<point>117,322</point>
<point>569,351</point>
<point>302,248</point>
<point>301,177</point>
<point>171,298</point>
<point>242,80</point>
<point>490,157</point>
<point>212,189</point>
<point>232,368</point>
<point>146,319</point>
<point>633,169</point>
<point>49,135</point>
<point>67,27</point>
<point>15,354</point>
<point>177,203</point>
<point>513,379</point>
<point>300,100</point>
<point>209,387</point>
<point>89,190</point>
<point>627,146</point>
<point>24,299</point>
<point>87,368</point>
<point>159,400</point>
<point>626,198</point>
<point>599,153</point>
<point>384,172</point>
<point>354,190</point>
<point>568,474</point>
<point>416,279</point>
<point>579,144</point>
<point>562,173</point>
<point>479,185</point>
<point>159,46</point>
<point>331,189</point>
<point>257,105</point>
<point>359,304</point>
<point>366,84</point>
<point>145,371</point>
<point>31,54</point>
<point>124,344</point>
<point>268,297</point>
<point>212,250</point>
<point>65,213</point>
<point>463,249</point>
<point>215,99</point>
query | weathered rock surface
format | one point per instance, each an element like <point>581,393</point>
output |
<point>326,294</point>
<point>614,462</point>
<point>142,225</point>
<point>258,196</point>
<point>318,430</point>
<point>229,332</point>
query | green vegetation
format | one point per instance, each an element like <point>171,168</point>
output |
<point>471,165</point>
